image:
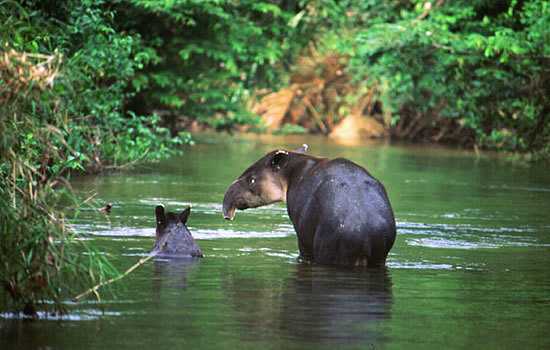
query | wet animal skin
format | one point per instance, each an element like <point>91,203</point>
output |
<point>341,213</point>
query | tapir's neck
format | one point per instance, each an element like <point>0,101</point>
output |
<point>298,167</point>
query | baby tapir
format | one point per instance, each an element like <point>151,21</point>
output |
<point>173,237</point>
<point>341,214</point>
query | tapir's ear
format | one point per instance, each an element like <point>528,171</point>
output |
<point>302,149</point>
<point>185,215</point>
<point>279,160</point>
<point>161,217</point>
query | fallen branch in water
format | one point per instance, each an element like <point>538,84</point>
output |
<point>96,287</point>
<point>126,273</point>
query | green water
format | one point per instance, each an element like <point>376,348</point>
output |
<point>470,267</point>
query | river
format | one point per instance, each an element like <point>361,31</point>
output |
<point>470,267</point>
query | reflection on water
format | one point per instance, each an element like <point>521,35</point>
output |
<point>172,272</point>
<point>336,305</point>
<point>470,264</point>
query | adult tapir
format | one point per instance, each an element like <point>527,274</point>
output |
<point>340,212</point>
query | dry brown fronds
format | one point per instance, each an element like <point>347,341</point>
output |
<point>23,72</point>
<point>319,97</point>
<point>274,107</point>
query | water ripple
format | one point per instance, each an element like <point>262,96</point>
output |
<point>84,315</point>
<point>466,236</point>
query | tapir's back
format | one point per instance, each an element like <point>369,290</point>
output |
<point>352,189</point>
<point>341,205</point>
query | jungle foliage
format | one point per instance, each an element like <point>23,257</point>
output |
<point>207,57</point>
<point>469,72</point>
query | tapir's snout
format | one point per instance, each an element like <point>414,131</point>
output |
<point>230,202</point>
<point>229,214</point>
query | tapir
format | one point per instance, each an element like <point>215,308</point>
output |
<point>341,213</point>
<point>173,239</point>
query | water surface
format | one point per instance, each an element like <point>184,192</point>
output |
<point>470,267</point>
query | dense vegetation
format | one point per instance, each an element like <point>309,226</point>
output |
<point>65,77</point>
<point>469,73</point>
<point>474,72</point>
<point>92,85</point>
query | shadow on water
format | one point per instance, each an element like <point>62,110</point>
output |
<point>336,305</point>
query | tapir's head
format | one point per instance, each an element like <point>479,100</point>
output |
<point>167,220</point>
<point>262,183</point>
<point>173,237</point>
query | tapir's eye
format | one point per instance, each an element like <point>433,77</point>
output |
<point>252,180</point>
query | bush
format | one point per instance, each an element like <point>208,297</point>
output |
<point>41,258</point>
<point>65,79</point>
<point>470,72</point>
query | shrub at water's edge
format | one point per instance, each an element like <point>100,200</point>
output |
<point>471,72</point>
<point>65,77</point>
